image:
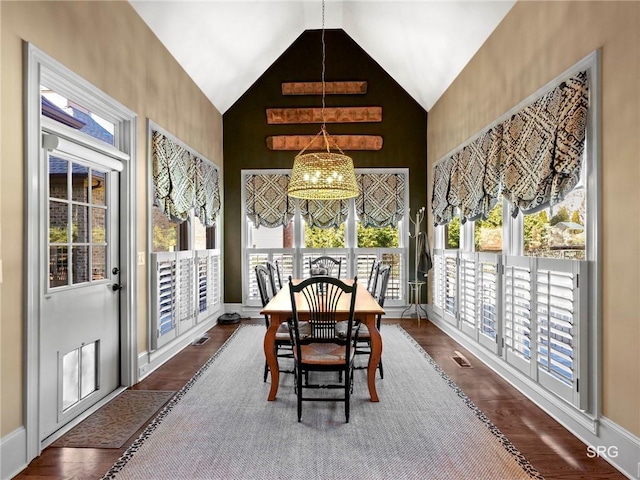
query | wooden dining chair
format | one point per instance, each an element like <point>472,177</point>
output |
<point>373,277</point>
<point>363,345</point>
<point>321,350</point>
<point>275,275</point>
<point>325,265</point>
<point>283,339</point>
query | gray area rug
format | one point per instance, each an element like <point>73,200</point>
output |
<point>221,426</point>
<point>112,425</point>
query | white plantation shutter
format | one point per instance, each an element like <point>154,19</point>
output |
<point>468,294</point>
<point>203,281</point>
<point>207,283</point>
<point>489,282</point>
<point>560,313</point>
<point>517,312</point>
<point>186,291</point>
<point>438,281</point>
<point>215,294</point>
<point>163,292</point>
<point>451,286</point>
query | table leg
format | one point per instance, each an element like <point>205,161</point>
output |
<point>270,355</point>
<point>374,357</point>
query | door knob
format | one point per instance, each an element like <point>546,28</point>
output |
<point>116,286</point>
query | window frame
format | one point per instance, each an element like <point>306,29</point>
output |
<point>350,250</point>
<point>186,262</point>
<point>513,246</point>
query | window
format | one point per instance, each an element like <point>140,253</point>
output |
<point>293,232</point>
<point>185,263</point>
<point>517,283</point>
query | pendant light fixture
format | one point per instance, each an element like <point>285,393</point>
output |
<point>324,175</point>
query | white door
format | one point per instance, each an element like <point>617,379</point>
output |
<point>80,322</point>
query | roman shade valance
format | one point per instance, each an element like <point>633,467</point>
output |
<point>444,195</point>
<point>543,145</point>
<point>267,202</point>
<point>381,199</point>
<point>324,213</point>
<point>173,177</point>
<point>182,181</point>
<point>207,193</point>
<point>478,175</point>
<point>533,158</point>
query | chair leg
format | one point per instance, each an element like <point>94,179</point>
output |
<point>381,370</point>
<point>347,394</point>
<point>266,371</point>
<point>299,392</point>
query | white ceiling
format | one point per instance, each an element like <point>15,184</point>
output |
<point>226,45</point>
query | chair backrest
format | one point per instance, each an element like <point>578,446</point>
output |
<point>322,295</point>
<point>275,275</point>
<point>373,278</point>
<point>325,266</point>
<point>381,284</point>
<point>264,284</point>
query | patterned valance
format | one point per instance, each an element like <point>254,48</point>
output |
<point>543,145</point>
<point>381,200</point>
<point>324,213</point>
<point>479,175</point>
<point>267,202</point>
<point>532,158</point>
<point>445,184</point>
<point>173,177</point>
<point>207,193</point>
<point>182,181</point>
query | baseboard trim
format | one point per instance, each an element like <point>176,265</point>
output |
<point>151,361</point>
<point>593,432</point>
<point>13,453</point>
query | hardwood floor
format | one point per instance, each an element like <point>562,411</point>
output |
<point>551,449</point>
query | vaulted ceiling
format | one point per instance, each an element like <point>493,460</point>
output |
<point>226,45</point>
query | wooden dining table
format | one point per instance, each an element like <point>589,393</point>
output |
<point>366,310</point>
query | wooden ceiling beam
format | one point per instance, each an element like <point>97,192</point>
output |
<point>354,87</point>
<point>279,116</point>
<point>345,142</point>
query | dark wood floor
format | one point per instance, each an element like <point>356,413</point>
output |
<point>551,449</point>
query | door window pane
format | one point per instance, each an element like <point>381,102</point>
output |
<point>58,266</point>
<point>79,183</point>
<point>58,169</point>
<point>98,263</point>
<point>58,222</point>
<point>98,182</point>
<point>80,224</point>
<point>98,225</point>
<point>80,257</point>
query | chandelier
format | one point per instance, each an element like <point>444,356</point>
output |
<point>323,175</point>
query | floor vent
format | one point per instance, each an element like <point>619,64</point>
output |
<point>461,360</point>
<point>201,340</point>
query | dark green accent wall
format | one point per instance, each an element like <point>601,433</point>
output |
<point>403,128</point>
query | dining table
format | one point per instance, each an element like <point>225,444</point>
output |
<point>366,310</point>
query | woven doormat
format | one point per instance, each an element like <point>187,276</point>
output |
<point>113,424</point>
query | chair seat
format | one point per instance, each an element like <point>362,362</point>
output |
<point>282,334</point>
<point>363,331</point>
<point>323,354</point>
